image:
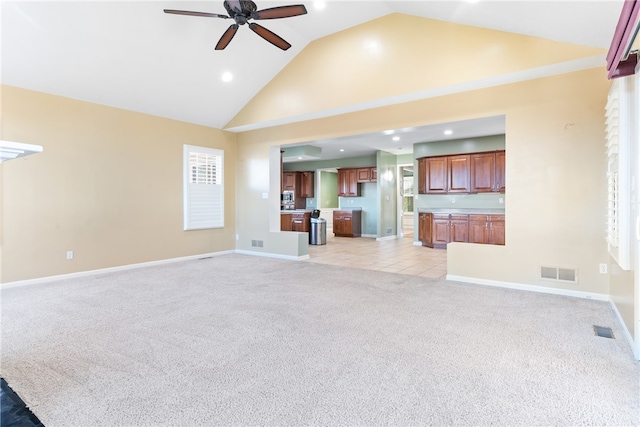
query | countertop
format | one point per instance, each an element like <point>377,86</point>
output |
<point>348,209</point>
<point>488,211</point>
<point>291,211</point>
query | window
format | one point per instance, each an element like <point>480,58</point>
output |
<point>620,103</point>
<point>203,187</point>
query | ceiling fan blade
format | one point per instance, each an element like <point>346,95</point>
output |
<point>269,36</point>
<point>227,36</point>
<point>188,12</point>
<point>280,12</point>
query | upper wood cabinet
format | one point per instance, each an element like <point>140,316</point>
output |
<point>367,174</point>
<point>488,172</point>
<point>289,180</point>
<point>348,183</point>
<point>465,173</point>
<point>458,176</point>
<point>436,174</point>
<point>306,184</point>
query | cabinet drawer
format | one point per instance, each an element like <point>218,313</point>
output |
<point>459,217</point>
<point>441,216</point>
<point>478,217</point>
<point>496,218</point>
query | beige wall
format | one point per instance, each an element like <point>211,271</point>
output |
<point>411,54</point>
<point>108,186</point>
<point>554,131</point>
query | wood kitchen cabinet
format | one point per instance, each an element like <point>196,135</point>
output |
<point>425,221</point>
<point>436,174</point>
<point>487,229</point>
<point>348,183</point>
<point>369,174</point>
<point>301,221</point>
<point>306,185</point>
<point>488,172</point>
<point>465,173</point>
<point>289,180</point>
<point>458,174</point>
<point>285,221</point>
<point>440,228</point>
<point>347,223</point>
<point>436,230</point>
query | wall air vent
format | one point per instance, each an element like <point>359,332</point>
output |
<point>257,243</point>
<point>559,274</point>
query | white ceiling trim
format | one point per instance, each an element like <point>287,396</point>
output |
<point>515,77</point>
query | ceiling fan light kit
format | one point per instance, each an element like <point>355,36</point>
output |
<point>241,12</point>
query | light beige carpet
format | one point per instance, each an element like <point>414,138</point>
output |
<point>241,340</point>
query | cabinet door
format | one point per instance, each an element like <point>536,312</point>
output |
<point>338,223</point>
<point>374,174</point>
<point>459,231</point>
<point>436,175</point>
<point>483,172</point>
<point>363,174</point>
<point>500,183</point>
<point>422,176</point>
<point>440,231</point>
<point>285,222</point>
<point>478,229</point>
<point>458,177</point>
<point>289,181</point>
<point>343,184</point>
<point>297,224</point>
<point>306,184</point>
<point>496,230</point>
<point>424,228</point>
<point>352,182</point>
<point>347,224</point>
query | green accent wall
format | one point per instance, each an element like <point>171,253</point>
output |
<point>328,189</point>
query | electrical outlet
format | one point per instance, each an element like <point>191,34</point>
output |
<point>453,200</point>
<point>603,268</point>
<point>69,254</point>
<point>501,200</point>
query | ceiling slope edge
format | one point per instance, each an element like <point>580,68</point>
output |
<point>518,76</point>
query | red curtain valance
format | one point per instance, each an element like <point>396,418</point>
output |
<point>617,64</point>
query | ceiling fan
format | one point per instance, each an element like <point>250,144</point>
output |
<point>241,12</point>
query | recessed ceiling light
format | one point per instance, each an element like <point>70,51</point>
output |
<point>227,76</point>
<point>448,132</point>
<point>396,138</point>
<point>388,132</point>
<point>299,157</point>
<point>319,5</point>
<point>342,149</point>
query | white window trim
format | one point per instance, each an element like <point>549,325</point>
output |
<point>203,203</point>
<point>619,132</point>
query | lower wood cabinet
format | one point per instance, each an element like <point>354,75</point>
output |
<point>436,230</point>
<point>486,229</point>
<point>295,221</point>
<point>301,222</point>
<point>347,223</point>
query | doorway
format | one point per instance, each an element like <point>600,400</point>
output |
<point>405,200</point>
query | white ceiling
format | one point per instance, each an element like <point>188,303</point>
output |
<point>133,56</point>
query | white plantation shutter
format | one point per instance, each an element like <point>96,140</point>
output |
<point>618,139</point>
<point>203,188</point>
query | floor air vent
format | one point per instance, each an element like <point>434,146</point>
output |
<point>602,331</point>
<point>559,274</point>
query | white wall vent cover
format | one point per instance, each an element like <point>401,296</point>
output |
<point>559,274</point>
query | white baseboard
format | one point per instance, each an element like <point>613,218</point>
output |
<point>532,288</point>
<point>109,269</point>
<point>380,239</point>
<point>417,243</point>
<point>271,255</point>
<point>626,332</point>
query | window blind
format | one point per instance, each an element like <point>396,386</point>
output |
<point>203,188</point>
<point>618,140</point>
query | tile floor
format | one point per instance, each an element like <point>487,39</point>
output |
<point>394,256</point>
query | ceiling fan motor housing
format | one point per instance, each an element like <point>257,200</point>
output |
<point>248,7</point>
